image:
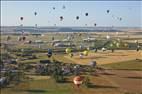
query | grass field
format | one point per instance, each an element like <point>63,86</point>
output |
<point>100,84</point>
<point>122,73</point>
<point>127,65</point>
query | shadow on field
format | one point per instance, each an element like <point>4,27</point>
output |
<point>105,73</point>
<point>90,57</point>
<point>64,82</point>
<point>134,77</point>
<point>35,91</point>
<point>100,86</point>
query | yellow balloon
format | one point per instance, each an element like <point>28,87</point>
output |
<point>85,52</point>
<point>111,45</point>
<point>118,44</point>
<point>68,50</point>
<point>88,48</point>
<point>126,45</point>
<point>114,42</point>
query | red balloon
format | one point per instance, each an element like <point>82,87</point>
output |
<point>78,80</point>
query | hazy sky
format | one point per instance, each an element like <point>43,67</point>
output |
<point>129,11</point>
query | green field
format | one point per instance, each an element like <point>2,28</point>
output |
<point>49,86</point>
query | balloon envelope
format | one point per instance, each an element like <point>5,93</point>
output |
<point>86,14</point>
<point>63,7</point>
<point>35,13</point>
<point>126,44</point>
<point>118,44</point>
<point>85,52</point>
<point>108,37</point>
<point>107,11</point>
<point>78,80</point>
<point>77,17</point>
<point>68,50</point>
<point>61,18</point>
<point>93,63</point>
<point>53,8</point>
<point>111,45</point>
<point>49,54</point>
<point>21,18</point>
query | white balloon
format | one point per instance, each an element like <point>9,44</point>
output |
<point>42,35</point>
<point>136,41</point>
<point>108,37</point>
<point>103,49</point>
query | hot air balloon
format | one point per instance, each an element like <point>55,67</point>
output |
<point>136,41</point>
<point>35,13</point>
<point>126,44</point>
<point>23,38</point>
<point>53,8</point>
<point>19,38</point>
<point>49,53</point>
<point>93,63</point>
<point>30,41</point>
<point>85,52</point>
<point>117,33</point>
<point>63,7</point>
<point>8,38</point>
<point>77,17</point>
<point>111,45</point>
<point>118,45</point>
<point>95,24</point>
<point>68,50</point>
<point>61,18</point>
<point>114,42</point>
<point>78,80</point>
<point>21,18</point>
<point>86,14</point>
<point>108,11</point>
<point>52,38</point>
<point>104,49</point>
<point>120,18</point>
<point>108,37</point>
